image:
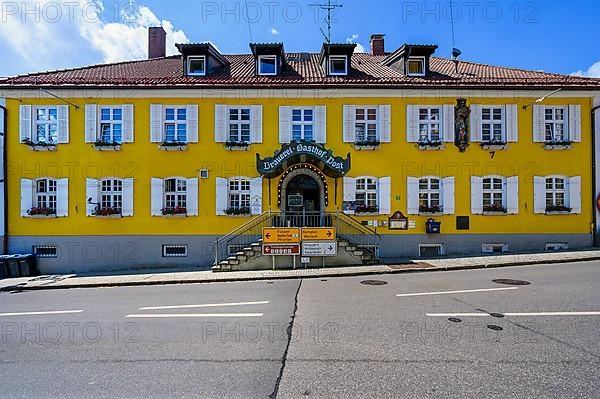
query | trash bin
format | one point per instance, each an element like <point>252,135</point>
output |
<point>4,267</point>
<point>13,266</point>
<point>27,265</point>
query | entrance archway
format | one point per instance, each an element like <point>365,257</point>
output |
<point>303,197</point>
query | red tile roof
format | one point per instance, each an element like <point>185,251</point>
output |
<point>303,70</point>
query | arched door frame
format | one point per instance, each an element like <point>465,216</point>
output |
<point>308,172</point>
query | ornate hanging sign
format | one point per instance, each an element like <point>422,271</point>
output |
<point>311,153</point>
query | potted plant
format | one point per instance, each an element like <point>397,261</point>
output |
<point>39,146</point>
<point>494,209</point>
<point>558,209</point>
<point>173,145</point>
<point>103,145</point>
<point>178,211</point>
<point>366,209</point>
<point>435,209</point>
<point>427,144</point>
<point>107,212</point>
<point>493,145</point>
<point>41,212</point>
<point>557,145</point>
<point>243,211</point>
<point>237,145</point>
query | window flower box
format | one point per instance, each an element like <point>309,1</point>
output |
<point>494,145</point>
<point>430,145</point>
<point>366,210</point>
<point>173,146</point>
<point>238,212</point>
<point>557,145</point>
<point>558,210</point>
<point>494,210</point>
<point>108,213</point>
<point>368,145</point>
<point>430,210</point>
<point>178,211</point>
<point>237,146</point>
<point>39,146</point>
<point>107,145</point>
<point>42,213</point>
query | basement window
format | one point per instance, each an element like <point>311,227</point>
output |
<point>430,250</point>
<point>174,251</point>
<point>494,248</point>
<point>338,65</point>
<point>267,65</point>
<point>196,66</point>
<point>415,66</point>
<point>557,246</point>
<point>45,251</point>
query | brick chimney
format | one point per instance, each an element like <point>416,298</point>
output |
<point>157,42</point>
<point>377,44</point>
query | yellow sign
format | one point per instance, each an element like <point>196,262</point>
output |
<point>318,234</point>
<point>274,235</point>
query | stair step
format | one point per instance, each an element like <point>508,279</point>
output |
<point>351,248</point>
<point>358,252</point>
<point>343,243</point>
<point>232,260</point>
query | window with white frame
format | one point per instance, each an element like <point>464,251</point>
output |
<point>45,195</point>
<point>415,66</point>
<point>46,125</point>
<point>494,248</point>
<point>555,124</point>
<point>111,125</point>
<point>430,195</point>
<point>429,125</point>
<point>196,65</point>
<point>267,65</point>
<point>239,125</point>
<point>366,124</point>
<point>338,65</point>
<point>174,251</point>
<point>239,194</point>
<point>111,195</point>
<point>555,192</point>
<point>366,194</point>
<point>176,124</point>
<point>175,193</point>
<point>492,125</point>
<point>302,124</point>
<point>493,194</point>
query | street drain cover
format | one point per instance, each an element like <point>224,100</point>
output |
<point>455,320</point>
<point>497,315</point>
<point>508,281</point>
<point>495,327</point>
<point>373,282</point>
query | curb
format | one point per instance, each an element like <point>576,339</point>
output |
<point>270,278</point>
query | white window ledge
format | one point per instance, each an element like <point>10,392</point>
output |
<point>495,213</point>
<point>107,147</point>
<point>431,147</point>
<point>556,146</point>
<point>181,147</point>
<point>36,147</point>
<point>494,147</point>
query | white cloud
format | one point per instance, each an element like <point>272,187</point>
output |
<point>353,39</point>
<point>274,31</point>
<point>69,34</point>
<point>592,72</point>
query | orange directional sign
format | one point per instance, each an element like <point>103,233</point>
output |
<point>318,234</point>
<point>274,235</point>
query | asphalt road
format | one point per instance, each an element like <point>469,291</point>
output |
<point>312,338</point>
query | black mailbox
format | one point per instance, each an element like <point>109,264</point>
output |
<point>433,227</point>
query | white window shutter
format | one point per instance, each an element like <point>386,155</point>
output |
<point>448,126</point>
<point>385,195</point>
<point>512,123</point>
<point>63,123</point>
<point>221,117</point>
<point>349,192</point>
<point>575,194</point>
<point>25,123</point>
<point>575,123</point>
<point>539,124</point>
<point>412,123</point>
<point>156,123</point>
<point>192,196</point>
<point>127,209</point>
<point>412,195</point>
<point>475,123</point>
<point>128,123</point>
<point>192,123</point>
<point>476,195</point>
<point>256,190</point>
<point>321,124</point>
<point>257,123</point>
<point>221,195</point>
<point>91,123</point>
<point>448,195</point>
<point>156,196</point>
<point>62,197</point>
<point>349,123</point>
<point>91,196</point>
<point>539,194</point>
<point>385,123</point>
<point>512,195</point>
<point>285,124</point>
<point>26,196</point>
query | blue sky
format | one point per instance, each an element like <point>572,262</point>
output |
<point>550,35</point>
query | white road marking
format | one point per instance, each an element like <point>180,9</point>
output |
<point>191,315</point>
<point>514,314</point>
<point>207,305</point>
<point>40,313</point>
<point>458,292</point>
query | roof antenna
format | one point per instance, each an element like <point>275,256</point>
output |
<point>455,52</point>
<point>248,20</point>
<point>329,8</point>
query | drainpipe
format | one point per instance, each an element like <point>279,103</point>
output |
<point>594,176</point>
<point>5,176</point>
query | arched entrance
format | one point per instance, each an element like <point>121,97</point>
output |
<point>303,197</point>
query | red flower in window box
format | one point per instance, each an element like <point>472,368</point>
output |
<point>494,208</point>
<point>366,209</point>
<point>41,211</point>
<point>108,211</point>
<point>178,210</point>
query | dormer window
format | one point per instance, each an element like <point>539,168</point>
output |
<point>338,65</point>
<point>196,65</point>
<point>267,65</point>
<point>416,66</point>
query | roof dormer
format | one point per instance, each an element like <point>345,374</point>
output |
<point>269,58</point>
<point>411,59</point>
<point>200,59</point>
<point>337,58</point>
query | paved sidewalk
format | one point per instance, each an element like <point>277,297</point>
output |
<point>186,277</point>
